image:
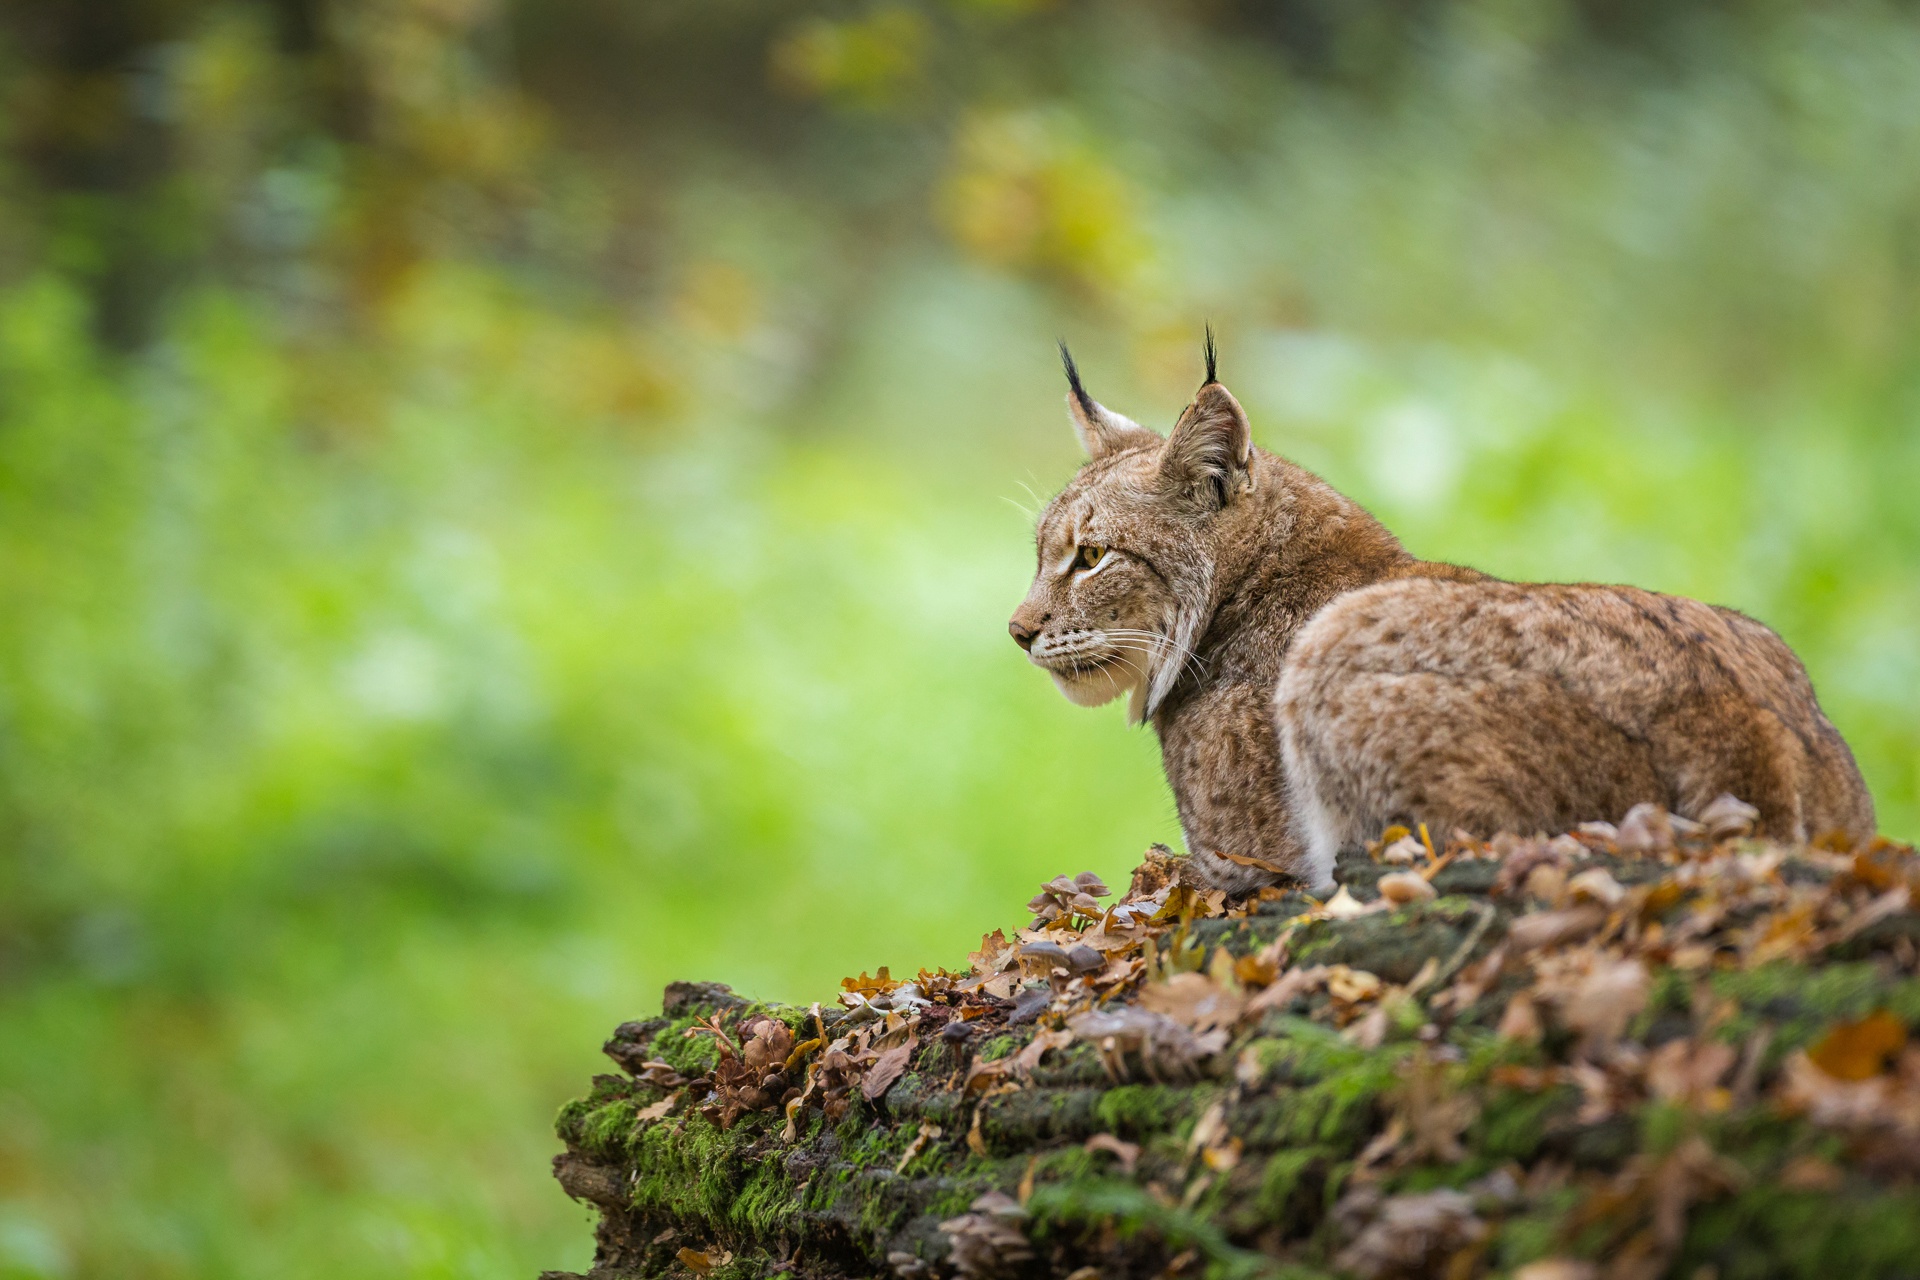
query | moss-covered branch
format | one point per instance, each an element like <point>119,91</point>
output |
<point>1634,1054</point>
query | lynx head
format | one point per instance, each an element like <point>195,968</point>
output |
<point>1124,586</point>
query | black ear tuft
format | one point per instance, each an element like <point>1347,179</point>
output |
<point>1073,380</point>
<point>1211,378</point>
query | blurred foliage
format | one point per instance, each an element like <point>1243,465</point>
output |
<point>501,504</point>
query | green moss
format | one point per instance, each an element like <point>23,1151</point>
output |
<point>689,1055</point>
<point>603,1131</point>
<point>1281,1199</point>
<point>1767,1231</point>
<point>1513,1123</point>
<point>694,1170</point>
<point>1393,944</point>
<point>766,1207</point>
<point>1136,1110</point>
<point>1033,1117</point>
<point>1787,993</point>
<point>566,1124</point>
<point>997,1048</point>
<point>1297,1051</point>
<point>1064,1209</point>
<point>1339,1108</point>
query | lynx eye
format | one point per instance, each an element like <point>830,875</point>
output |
<point>1088,557</point>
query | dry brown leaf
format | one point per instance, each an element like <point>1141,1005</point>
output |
<point>1126,1152</point>
<point>983,1076</point>
<point>887,1068</point>
<point>1352,986</point>
<point>1520,1021</point>
<point>1811,1173</point>
<point>1558,1269</point>
<point>1596,884</point>
<point>1403,851</point>
<point>664,1107</point>
<point>994,955</point>
<point>1860,1050</point>
<point>1194,1000</point>
<point>1248,860</point>
<point>927,1133</point>
<point>1541,929</point>
<point>1690,1073</point>
<point>1408,1235</point>
<point>1042,1043</point>
<point>1612,993</point>
<point>1287,987</point>
<point>976,1141</point>
<point>869,986</point>
<point>701,1261</point>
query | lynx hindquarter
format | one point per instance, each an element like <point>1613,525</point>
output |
<point>1499,706</point>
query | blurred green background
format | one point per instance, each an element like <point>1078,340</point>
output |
<point>505,504</point>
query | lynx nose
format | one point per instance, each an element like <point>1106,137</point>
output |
<point>1022,634</point>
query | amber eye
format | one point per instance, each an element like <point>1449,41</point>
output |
<point>1087,557</point>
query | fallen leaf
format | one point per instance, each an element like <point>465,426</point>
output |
<point>1558,1269</point>
<point>869,986</point>
<point>995,953</point>
<point>1223,1156</point>
<point>1690,1073</point>
<point>928,1132</point>
<point>1860,1050</point>
<point>1042,1043</point>
<point>1597,884</point>
<point>701,1261</point>
<point>1407,1235</point>
<point>1606,1000</point>
<point>1247,860</point>
<point>1540,929</point>
<point>1520,1021</point>
<point>1194,1000</point>
<point>1403,851</point>
<point>661,1108</point>
<point>1352,986</point>
<point>1126,1152</point>
<point>1811,1173</point>
<point>1728,816</point>
<point>887,1068</point>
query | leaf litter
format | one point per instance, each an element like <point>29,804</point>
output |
<point>1591,973</point>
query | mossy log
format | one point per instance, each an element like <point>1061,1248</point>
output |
<point>1550,1059</point>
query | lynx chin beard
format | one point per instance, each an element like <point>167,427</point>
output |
<point>1097,681</point>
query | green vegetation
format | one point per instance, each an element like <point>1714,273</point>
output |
<point>505,505</point>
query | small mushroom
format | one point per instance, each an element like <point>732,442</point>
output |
<point>1403,852</point>
<point>1084,959</point>
<point>1050,954</point>
<point>1405,886</point>
<point>1598,885</point>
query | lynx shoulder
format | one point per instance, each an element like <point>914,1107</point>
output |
<point>1311,682</point>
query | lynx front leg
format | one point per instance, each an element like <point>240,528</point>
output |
<point>1223,764</point>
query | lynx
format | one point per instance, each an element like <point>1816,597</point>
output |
<point>1312,683</point>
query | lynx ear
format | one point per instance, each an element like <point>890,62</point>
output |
<point>1206,454</point>
<point>1101,430</point>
